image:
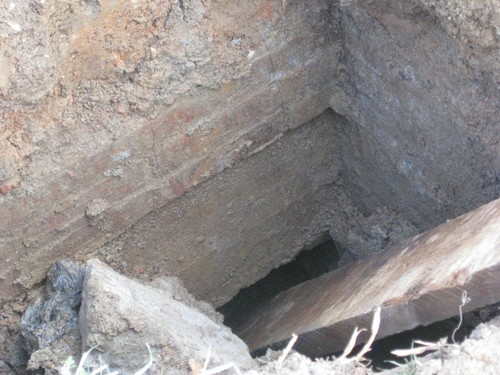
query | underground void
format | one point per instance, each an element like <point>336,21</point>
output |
<point>310,263</point>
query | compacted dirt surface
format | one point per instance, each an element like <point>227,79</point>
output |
<point>214,140</point>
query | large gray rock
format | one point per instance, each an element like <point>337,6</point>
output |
<point>121,316</point>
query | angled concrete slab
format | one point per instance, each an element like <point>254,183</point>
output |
<point>418,282</point>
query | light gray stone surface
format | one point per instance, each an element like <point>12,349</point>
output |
<point>121,316</point>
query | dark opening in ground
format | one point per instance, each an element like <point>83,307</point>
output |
<point>380,354</point>
<point>315,260</point>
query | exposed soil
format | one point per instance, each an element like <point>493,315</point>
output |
<point>215,140</point>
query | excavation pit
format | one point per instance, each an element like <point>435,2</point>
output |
<point>215,141</point>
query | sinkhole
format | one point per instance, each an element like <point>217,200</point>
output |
<point>313,261</point>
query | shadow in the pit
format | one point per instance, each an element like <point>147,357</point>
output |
<point>314,261</point>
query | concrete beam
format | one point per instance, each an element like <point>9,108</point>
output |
<point>418,282</point>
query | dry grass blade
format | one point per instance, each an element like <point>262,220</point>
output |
<point>465,300</point>
<point>221,368</point>
<point>375,327</point>
<point>427,346</point>
<point>437,344</point>
<point>79,369</point>
<point>147,365</point>
<point>409,352</point>
<point>287,349</point>
<point>99,370</point>
<point>352,342</point>
<point>218,369</point>
<point>103,369</point>
<point>207,360</point>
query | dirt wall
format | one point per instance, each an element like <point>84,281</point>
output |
<point>425,119</point>
<point>109,134</point>
<point>129,129</point>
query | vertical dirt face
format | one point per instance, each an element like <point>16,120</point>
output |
<point>147,101</point>
<point>169,137</point>
<point>424,135</point>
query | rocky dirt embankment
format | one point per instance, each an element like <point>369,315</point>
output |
<point>372,121</point>
<point>92,306</point>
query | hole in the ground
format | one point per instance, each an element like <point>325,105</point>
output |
<point>380,354</point>
<point>320,257</point>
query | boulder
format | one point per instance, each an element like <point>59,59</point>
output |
<point>120,316</point>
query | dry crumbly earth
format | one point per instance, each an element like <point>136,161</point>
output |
<point>214,140</point>
<point>111,113</point>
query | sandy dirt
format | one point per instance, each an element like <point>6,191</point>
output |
<point>371,120</point>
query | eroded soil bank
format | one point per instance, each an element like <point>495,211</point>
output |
<point>214,140</point>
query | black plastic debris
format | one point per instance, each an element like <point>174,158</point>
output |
<point>55,314</point>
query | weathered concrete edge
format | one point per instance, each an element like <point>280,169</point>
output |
<point>322,341</point>
<point>283,316</point>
